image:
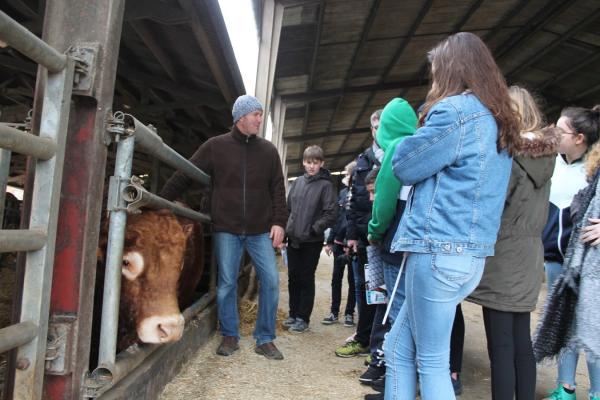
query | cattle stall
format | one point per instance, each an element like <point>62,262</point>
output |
<point>96,57</point>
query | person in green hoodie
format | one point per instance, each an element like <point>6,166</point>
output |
<point>398,120</point>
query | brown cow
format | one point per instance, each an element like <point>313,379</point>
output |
<point>163,261</point>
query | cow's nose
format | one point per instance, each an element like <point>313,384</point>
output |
<point>161,329</point>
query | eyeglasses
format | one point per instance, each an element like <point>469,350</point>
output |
<point>564,132</point>
<point>375,127</point>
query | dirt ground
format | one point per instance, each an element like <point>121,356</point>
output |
<point>311,370</point>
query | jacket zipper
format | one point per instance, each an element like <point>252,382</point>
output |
<point>244,186</point>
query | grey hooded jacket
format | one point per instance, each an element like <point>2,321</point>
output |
<point>313,206</point>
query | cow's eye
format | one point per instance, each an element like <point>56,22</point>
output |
<point>125,263</point>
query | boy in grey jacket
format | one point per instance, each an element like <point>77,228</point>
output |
<point>313,208</point>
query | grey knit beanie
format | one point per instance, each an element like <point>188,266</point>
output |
<point>245,105</point>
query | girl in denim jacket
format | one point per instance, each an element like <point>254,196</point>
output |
<point>459,164</point>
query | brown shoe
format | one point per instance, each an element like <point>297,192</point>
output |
<point>228,345</point>
<point>269,351</point>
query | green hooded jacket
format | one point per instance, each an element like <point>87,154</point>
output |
<point>398,120</point>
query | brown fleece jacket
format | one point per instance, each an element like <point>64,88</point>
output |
<point>248,191</point>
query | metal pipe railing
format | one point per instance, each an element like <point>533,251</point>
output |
<point>138,197</point>
<point>103,378</point>
<point>21,240</point>
<point>149,142</point>
<point>127,361</point>
<point>114,256</point>
<point>42,148</point>
<point>17,335</point>
<point>5,156</point>
<point>18,37</point>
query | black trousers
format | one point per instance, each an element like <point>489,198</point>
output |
<point>340,261</point>
<point>457,341</point>
<point>366,313</point>
<point>302,264</point>
<point>511,355</point>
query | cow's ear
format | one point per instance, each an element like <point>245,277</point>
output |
<point>133,265</point>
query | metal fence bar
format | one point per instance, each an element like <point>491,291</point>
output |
<point>18,37</point>
<point>17,335</point>
<point>114,256</point>
<point>149,142</point>
<point>4,172</point>
<point>22,240</point>
<point>138,197</point>
<point>44,214</point>
<point>42,148</point>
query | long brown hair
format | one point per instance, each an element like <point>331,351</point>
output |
<point>463,62</point>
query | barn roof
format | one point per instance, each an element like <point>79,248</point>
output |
<point>340,60</point>
<point>176,70</point>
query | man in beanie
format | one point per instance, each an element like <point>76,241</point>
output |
<point>248,212</point>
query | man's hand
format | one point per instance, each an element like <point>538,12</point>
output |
<point>353,244</point>
<point>328,249</point>
<point>276,236</point>
<point>591,233</point>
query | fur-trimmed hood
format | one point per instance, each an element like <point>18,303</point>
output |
<point>534,145</point>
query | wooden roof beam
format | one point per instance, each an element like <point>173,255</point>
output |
<point>531,27</point>
<point>591,18</point>
<point>313,64</point>
<point>325,94</point>
<point>140,27</point>
<point>210,54</point>
<point>413,28</point>
<point>327,156</point>
<point>311,136</point>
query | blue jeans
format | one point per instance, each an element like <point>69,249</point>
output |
<point>390,273</point>
<point>228,251</point>
<point>553,271</point>
<point>380,331</point>
<point>420,337</point>
<point>567,362</point>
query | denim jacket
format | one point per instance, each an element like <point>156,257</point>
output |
<point>459,181</point>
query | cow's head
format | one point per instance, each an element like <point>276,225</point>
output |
<point>155,242</point>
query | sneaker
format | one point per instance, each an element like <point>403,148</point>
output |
<point>374,396</point>
<point>379,385</point>
<point>351,349</point>
<point>349,320</point>
<point>372,374</point>
<point>331,319</point>
<point>560,394</point>
<point>289,321</point>
<point>299,327</point>
<point>269,351</point>
<point>457,386</point>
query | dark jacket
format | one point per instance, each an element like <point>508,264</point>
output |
<point>312,206</point>
<point>338,230</point>
<point>359,213</point>
<point>513,276</point>
<point>248,191</point>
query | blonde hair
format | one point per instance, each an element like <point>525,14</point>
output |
<point>530,117</point>
<point>592,160</point>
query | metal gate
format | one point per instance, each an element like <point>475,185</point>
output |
<point>28,336</point>
<point>127,195</point>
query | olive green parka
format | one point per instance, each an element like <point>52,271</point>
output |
<point>512,278</point>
